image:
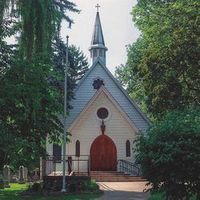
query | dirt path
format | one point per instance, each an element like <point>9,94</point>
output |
<point>123,190</point>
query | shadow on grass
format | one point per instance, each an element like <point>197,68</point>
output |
<point>124,195</point>
<point>13,193</point>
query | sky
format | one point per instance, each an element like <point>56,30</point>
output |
<point>117,25</point>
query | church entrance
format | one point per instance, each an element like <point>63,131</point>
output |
<point>103,154</point>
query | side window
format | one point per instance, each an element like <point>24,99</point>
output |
<point>57,151</point>
<point>77,148</point>
<point>128,148</point>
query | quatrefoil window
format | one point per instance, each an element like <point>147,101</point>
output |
<point>97,83</point>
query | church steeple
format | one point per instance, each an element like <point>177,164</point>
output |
<point>98,48</point>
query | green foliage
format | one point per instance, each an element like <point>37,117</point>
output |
<point>6,51</point>
<point>36,187</point>
<point>164,63</point>
<point>38,23</point>
<point>170,154</point>
<point>29,109</point>
<point>30,100</point>
<point>83,186</point>
<point>78,65</point>
<point>131,78</point>
<point>157,196</point>
<point>91,186</point>
<point>1,182</point>
<point>162,196</point>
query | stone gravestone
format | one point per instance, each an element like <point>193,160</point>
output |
<point>6,176</point>
<point>21,174</point>
<point>25,174</point>
<point>42,167</point>
<point>36,176</point>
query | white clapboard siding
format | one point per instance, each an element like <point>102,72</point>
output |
<point>88,128</point>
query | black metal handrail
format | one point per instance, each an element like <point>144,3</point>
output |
<point>128,167</point>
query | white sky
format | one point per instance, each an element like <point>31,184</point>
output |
<point>117,25</point>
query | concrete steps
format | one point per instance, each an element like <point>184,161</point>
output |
<point>80,174</point>
<point>113,176</point>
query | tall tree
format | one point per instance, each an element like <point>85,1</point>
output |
<point>169,154</point>
<point>168,67</point>
<point>7,29</point>
<point>77,66</point>
<point>131,78</point>
<point>39,22</point>
<point>29,102</point>
<point>29,106</point>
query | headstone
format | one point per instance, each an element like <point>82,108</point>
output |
<point>36,176</point>
<point>21,174</point>
<point>25,174</point>
<point>41,168</point>
<point>6,176</point>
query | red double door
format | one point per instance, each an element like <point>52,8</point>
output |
<point>103,154</point>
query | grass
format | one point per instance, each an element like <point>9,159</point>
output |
<point>13,193</point>
<point>157,196</point>
<point>162,196</point>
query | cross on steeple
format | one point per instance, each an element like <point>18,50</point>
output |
<point>98,48</point>
<point>97,6</point>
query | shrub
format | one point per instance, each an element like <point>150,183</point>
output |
<point>157,196</point>
<point>91,186</point>
<point>36,187</point>
<point>162,196</point>
<point>83,186</point>
<point>170,154</point>
<point>1,182</point>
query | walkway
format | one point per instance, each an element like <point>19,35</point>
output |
<point>123,191</point>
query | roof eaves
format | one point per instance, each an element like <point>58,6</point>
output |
<point>98,60</point>
<point>126,94</point>
<point>111,98</point>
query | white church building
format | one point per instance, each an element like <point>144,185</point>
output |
<point>104,121</point>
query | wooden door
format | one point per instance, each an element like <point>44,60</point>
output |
<point>103,154</point>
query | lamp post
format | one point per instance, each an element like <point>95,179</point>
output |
<point>65,118</point>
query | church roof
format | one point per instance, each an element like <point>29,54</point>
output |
<point>97,38</point>
<point>84,92</point>
<point>115,103</point>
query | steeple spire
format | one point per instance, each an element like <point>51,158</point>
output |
<point>98,48</point>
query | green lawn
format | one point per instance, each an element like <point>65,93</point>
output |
<point>162,196</point>
<point>12,193</point>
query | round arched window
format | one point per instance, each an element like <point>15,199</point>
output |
<point>102,113</point>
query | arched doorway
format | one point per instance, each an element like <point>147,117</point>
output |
<point>103,154</point>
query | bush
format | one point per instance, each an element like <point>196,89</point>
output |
<point>170,154</point>
<point>36,187</point>
<point>80,186</point>
<point>1,182</point>
<point>91,186</point>
<point>162,196</point>
<point>157,196</point>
